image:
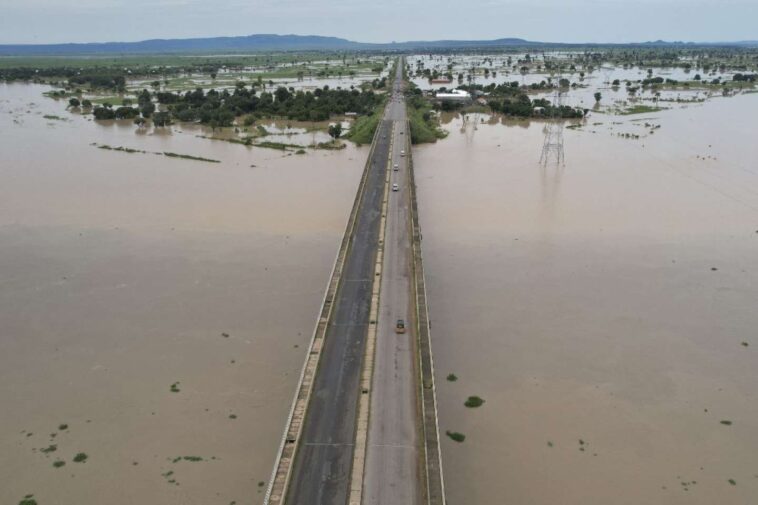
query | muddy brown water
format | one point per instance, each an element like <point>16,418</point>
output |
<point>581,303</point>
<point>122,274</point>
<point>599,308</point>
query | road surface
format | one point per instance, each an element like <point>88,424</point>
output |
<point>392,471</point>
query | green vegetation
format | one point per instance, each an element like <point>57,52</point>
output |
<point>50,448</point>
<point>80,457</point>
<point>473,402</point>
<point>63,426</point>
<point>363,128</point>
<point>640,109</point>
<point>194,459</point>
<point>58,463</point>
<point>175,387</point>
<point>189,157</point>
<point>455,436</point>
<point>54,117</point>
<point>424,124</point>
<point>726,422</point>
<point>119,148</point>
<point>549,443</point>
<point>232,416</point>
<point>452,377</point>
<point>28,500</point>
<point>216,108</point>
<point>732,482</point>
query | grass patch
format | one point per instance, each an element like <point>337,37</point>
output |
<point>451,377</point>
<point>473,402</point>
<point>363,128</point>
<point>80,457</point>
<point>232,416</point>
<point>28,500</point>
<point>455,436</point>
<point>175,387</point>
<point>640,109</point>
<point>50,448</point>
<point>59,463</point>
<point>53,117</point>
<point>63,427</point>
<point>120,149</point>
<point>732,482</point>
<point>189,157</point>
<point>277,145</point>
<point>194,459</point>
<point>726,422</point>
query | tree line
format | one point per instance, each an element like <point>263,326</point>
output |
<point>221,108</point>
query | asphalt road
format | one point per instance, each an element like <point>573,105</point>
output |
<point>321,473</point>
<point>391,474</point>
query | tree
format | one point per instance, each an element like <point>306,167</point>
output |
<point>162,119</point>
<point>74,102</point>
<point>335,130</point>
<point>598,96</point>
<point>147,109</point>
<point>86,104</point>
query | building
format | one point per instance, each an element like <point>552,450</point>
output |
<point>456,95</point>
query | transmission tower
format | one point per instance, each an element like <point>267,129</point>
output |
<point>552,147</point>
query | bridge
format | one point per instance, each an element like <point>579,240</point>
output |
<point>363,424</point>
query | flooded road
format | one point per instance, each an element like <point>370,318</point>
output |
<point>154,312</point>
<point>605,310</point>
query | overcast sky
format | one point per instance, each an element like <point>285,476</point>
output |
<point>51,21</point>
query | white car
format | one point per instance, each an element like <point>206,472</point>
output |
<point>402,153</point>
<point>396,168</point>
<point>395,187</point>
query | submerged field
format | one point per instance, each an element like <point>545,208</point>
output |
<point>602,310</point>
<point>154,309</point>
<point>594,330</point>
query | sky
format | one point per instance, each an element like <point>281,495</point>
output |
<point>57,21</point>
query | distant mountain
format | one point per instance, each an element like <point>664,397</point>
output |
<point>271,42</point>
<point>261,42</point>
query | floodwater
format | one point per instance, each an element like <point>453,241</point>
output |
<point>604,310</point>
<point>123,274</point>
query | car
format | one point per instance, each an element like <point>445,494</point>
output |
<point>401,133</point>
<point>395,187</point>
<point>402,153</point>
<point>396,167</point>
<point>400,326</point>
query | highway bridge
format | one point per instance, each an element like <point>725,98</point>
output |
<point>363,424</point>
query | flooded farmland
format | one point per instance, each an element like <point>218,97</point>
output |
<point>158,287</point>
<point>604,310</point>
<point>154,311</point>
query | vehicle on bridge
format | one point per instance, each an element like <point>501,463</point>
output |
<point>400,326</point>
<point>395,187</point>
<point>402,153</point>
<point>396,167</point>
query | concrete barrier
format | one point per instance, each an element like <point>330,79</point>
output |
<point>435,485</point>
<point>280,476</point>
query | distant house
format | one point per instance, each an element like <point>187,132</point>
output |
<point>442,80</point>
<point>538,111</point>
<point>456,95</point>
<point>351,114</point>
<point>481,101</point>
